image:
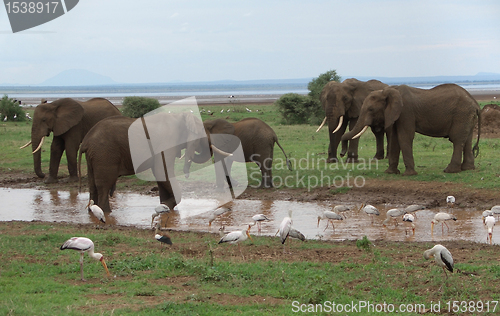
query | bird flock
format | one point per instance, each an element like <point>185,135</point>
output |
<point>442,256</point>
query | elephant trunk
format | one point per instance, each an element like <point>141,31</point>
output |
<point>355,132</point>
<point>37,156</point>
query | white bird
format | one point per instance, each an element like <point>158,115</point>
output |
<point>442,217</point>
<point>15,116</point>
<point>236,237</point>
<point>496,210</point>
<point>490,222</point>
<point>486,214</point>
<point>159,210</point>
<point>162,237</point>
<point>409,218</point>
<point>442,256</point>
<point>83,244</point>
<point>413,208</point>
<point>257,219</point>
<point>341,209</point>
<point>285,226</point>
<point>248,110</point>
<point>394,214</point>
<point>28,116</point>
<point>222,111</point>
<point>330,216</point>
<point>228,110</point>
<point>218,212</point>
<point>450,200</point>
<point>5,118</point>
<point>97,211</point>
<point>370,210</point>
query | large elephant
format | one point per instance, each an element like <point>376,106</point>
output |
<point>69,120</point>
<point>342,103</point>
<point>108,154</point>
<point>446,110</point>
<point>257,141</point>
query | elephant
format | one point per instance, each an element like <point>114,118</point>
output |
<point>108,154</point>
<point>69,120</point>
<point>446,110</point>
<point>342,103</point>
<point>257,141</point>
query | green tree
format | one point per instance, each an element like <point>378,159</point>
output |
<point>138,106</point>
<point>298,109</point>
<point>317,84</point>
<point>10,109</point>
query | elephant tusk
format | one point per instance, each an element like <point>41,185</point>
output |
<point>360,133</point>
<point>322,124</point>
<point>182,156</point>
<point>27,144</point>
<point>39,146</point>
<point>221,152</point>
<point>341,120</point>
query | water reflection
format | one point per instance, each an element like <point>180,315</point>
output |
<point>135,210</point>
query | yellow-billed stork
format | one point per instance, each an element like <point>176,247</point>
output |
<point>284,230</point>
<point>258,219</point>
<point>394,214</point>
<point>370,210</point>
<point>162,237</point>
<point>442,257</point>
<point>341,209</point>
<point>218,212</point>
<point>96,210</point>
<point>442,218</point>
<point>84,245</point>
<point>496,210</point>
<point>159,211</point>
<point>235,237</point>
<point>489,221</point>
<point>450,200</point>
<point>410,219</point>
<point>330,217</point>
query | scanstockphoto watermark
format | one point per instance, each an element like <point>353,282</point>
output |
<point>302,175</point>
<point>357,307</point>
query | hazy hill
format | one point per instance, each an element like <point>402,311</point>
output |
<point>78,77</point>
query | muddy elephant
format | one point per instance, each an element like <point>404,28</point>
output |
<point>342,103</point>
<point>69,120</point>
<point>446,110</point>
<point>108,155</point>
<point>257,141</point>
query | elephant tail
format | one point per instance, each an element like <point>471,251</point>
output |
<point>475,149</point>
<point>288,163</point>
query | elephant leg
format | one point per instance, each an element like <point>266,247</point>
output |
<point>71,154</point>
<point>352,153</point>
<point>56,151</point>
<point>459,141</point>
<point>468,163</point>
<point>393,153</point>
<point>379,138</point>
<point>230,180</point>
<point>105,178</point>
<point>167,195</point>
<point>91,183</point>
<point>335,139</point>
<point>345,144</point>
<point>405,140</point>
<point>266,167</point>
<point>219,172</point>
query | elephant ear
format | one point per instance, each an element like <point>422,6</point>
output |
<point>194,125</point>
<point>219,126</point>
<point>394,105</point>
<point>68,114</point>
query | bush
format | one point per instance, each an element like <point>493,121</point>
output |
<point>11,108</point>
<point>317,84</point>
<point>299,109</point>
<point>138,106</point>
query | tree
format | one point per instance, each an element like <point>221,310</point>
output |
<point>317,84</point>
<point>10,108</point>
<point>138,106</point>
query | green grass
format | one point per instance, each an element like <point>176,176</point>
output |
<point>39,279</point>
<point>308,151</point>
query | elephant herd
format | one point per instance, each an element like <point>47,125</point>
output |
<point>98,129</point>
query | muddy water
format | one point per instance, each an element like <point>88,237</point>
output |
<point>135,210</point>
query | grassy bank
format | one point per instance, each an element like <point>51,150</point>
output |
<point>198,277</point>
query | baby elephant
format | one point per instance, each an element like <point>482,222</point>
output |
<point>257,141</point>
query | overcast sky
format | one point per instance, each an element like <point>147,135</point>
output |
<point>163,41</point>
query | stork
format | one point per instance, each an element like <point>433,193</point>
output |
<point>296,234</point>
<point>341,209</point>
<point>442,218</point>
<point>413,208</point>
<point>285,226</point>
<point>84,245</point>
<point>442,257</point>
<point>490,222</point>
<point>218,212</point>
<point>330,216</point>
<point>409,218</point>
<point>486,214</point>
<point>496,210</point>
<point>235,237</point>
<point>159,210</point>
<point>96,210</point>
<point>394,214</point>
<point>370,210</point>
<point>257,219</point>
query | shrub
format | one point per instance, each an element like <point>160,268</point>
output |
<point>299,109</point>
<point>317,84</point>
<point>138,106</point>
<point>11,108</point>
